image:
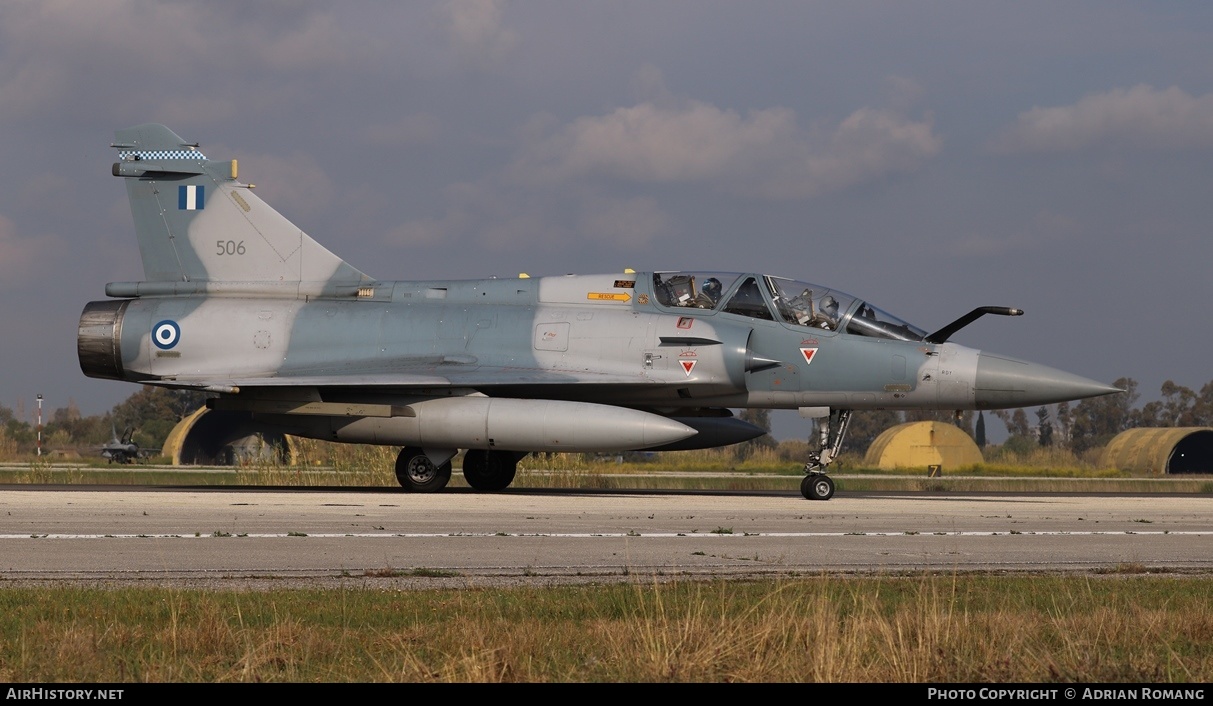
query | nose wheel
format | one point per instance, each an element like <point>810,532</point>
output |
<point>831,430</point>
<point>817,486</point>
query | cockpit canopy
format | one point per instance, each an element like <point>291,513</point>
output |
<point>780,299</point>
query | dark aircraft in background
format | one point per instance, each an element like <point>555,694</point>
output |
<point>239,301</point>
<point>123,449</point>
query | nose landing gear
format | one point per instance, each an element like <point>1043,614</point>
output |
<point>831,430</point>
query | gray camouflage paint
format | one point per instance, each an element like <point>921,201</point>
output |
<point>238,300</point>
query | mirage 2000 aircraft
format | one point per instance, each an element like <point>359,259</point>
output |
<point>240,302</point>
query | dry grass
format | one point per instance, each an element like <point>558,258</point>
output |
<point>962,628</point>
<point>319,463</point>
<point>326,463</point>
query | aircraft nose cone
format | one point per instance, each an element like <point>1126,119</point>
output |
<point>1003,382</point>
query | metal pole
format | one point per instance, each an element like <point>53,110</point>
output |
<point>39,425</point>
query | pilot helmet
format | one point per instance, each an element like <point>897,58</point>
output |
<point>830,305</point>
<point>711,287</point>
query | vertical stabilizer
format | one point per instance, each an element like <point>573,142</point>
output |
<point>196,223</point>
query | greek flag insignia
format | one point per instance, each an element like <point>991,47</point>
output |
<point>190,197</point>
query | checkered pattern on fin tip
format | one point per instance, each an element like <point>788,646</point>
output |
<point>161,154</point>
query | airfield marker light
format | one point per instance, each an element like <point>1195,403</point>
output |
<point>39,425</point>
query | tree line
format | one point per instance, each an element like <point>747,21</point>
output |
<point>152,412</point>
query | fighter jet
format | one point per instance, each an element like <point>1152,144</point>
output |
<point>121,449</point>
<point>291,339</point>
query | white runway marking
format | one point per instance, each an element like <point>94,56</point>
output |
<point>591,535</point>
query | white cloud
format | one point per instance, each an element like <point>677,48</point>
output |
<point>1140,117</point>
<point>551,196</point>
<point>477,32</point>
<point>649,143</point>
<point>54,53</point>
<point>869,145</point>
<point>762,153</point>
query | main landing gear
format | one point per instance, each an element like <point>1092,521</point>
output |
<point>830,432</point>
<point>417,473</point>
<point>486,471</point>
<point>489,471</point>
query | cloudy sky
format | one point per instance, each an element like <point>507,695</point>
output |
<point>927,156</point>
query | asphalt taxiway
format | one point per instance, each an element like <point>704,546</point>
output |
<point>216,536</point>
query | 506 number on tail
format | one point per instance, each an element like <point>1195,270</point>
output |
<point>229,247</point>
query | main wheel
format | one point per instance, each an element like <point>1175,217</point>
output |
<point>817,487</point>
<point>489,471</point>
<point>417,473</point>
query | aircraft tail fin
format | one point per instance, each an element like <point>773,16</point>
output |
<point>196,223</point>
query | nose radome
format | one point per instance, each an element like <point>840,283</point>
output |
<point>1003,381</point>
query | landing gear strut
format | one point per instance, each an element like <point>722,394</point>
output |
<point>831,431</point>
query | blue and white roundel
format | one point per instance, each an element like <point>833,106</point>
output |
<point>166,334</point>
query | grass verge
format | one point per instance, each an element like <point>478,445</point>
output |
<point>607,476</point>
<point>1124,627</point>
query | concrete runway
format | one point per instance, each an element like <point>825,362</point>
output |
<point>322,536</point>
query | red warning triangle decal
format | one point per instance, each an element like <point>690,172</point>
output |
<point>808,354</point>
<point>688,366</point>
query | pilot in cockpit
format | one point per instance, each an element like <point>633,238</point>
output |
<point>712,289</point>
<point>802,307</point>
<point>826,317</point>
<point>829,313</point>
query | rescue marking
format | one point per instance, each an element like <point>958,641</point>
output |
<point>688,366</point>
<point>685,321</point>
<point>609,296</point>
<point>808,354</point>
<point>166,334</point>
